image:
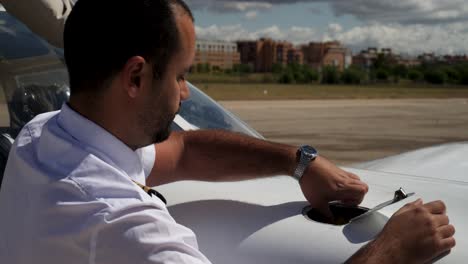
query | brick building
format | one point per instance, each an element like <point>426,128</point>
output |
<point>427,57</point>
<point>216,53</point>
<point>455,59</point>
<point>366,58</point>
<point>262,54</point>
<point>249,52</point>
<point>408,61</point>
<point>320,54</point>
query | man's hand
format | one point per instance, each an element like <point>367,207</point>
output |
<point>417,233</point>
<point>421,232</point>
<point>324,182</point>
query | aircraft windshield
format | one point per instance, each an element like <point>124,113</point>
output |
<point>203,112</point>
<point>16,41</point>
<point>33,80</point>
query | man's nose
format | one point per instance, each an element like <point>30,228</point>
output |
<point>184,91</point>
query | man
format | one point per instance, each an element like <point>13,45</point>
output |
<point>75,175</point>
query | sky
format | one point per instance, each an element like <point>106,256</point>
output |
<point>409,27</point>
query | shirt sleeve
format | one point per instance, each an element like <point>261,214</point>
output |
<point>143,233</point>
<point>148,158</point>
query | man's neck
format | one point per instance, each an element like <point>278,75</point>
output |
<point>103,115</point>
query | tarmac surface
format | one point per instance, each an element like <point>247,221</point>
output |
<point>353,131</point>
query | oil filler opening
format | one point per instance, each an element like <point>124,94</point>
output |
<point>342,214</point>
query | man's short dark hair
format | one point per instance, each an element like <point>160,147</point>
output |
<point>101,35</point>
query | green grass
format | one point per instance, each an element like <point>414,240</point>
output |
<point>231,78</point>
<point>230,91</point>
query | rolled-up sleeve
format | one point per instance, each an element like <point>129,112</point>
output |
<point>143,233</point>
<point>148,158</point>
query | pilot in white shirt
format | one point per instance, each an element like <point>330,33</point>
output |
<point>75,200</point>
<point>71,193</point>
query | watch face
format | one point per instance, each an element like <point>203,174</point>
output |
<point>309,151</point>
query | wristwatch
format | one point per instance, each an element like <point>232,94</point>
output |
<point>306,155</point>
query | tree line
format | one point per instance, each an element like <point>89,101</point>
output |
<point>383,70</point>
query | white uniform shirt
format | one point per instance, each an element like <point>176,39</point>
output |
<point>68,197</point>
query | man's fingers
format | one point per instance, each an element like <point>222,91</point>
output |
<point>417,202</point>
<point>446,231</point>
<point>352,202</point>
<point>352,193</point>
<point>354,176</point>
<point>441,220</point>
<point>324,210</point>
<point>447,244</point>
<point>409,206</point>
<point>359,184</point>
<point>436,207</point>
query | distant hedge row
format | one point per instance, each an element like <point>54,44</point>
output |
<point>381,72</point>
<point>429,73</point>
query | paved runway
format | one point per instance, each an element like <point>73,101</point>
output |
<point>351,131</point>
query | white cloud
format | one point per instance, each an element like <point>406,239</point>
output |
<point>404,11</point>
<point>296,35</point>
<point>244,6</point>
<point>273,32</point>
<point>333,30</point>
<point>251,15</point>
<point>408,26</point>
<point>299,35</point>
<point>224,6</point>
<point>392,11</point>
<point>228,33</point>
<point>409,39</point>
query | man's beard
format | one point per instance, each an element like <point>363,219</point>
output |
<point>156,124</point>
<point>164,131</point>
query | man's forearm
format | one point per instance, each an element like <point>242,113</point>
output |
<point>374,252</point>
<point>220,156</point>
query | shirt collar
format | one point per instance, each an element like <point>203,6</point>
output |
<point>100,142</point>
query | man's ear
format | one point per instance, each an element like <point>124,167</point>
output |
<point>136,80</point>
<point>132,75</point>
